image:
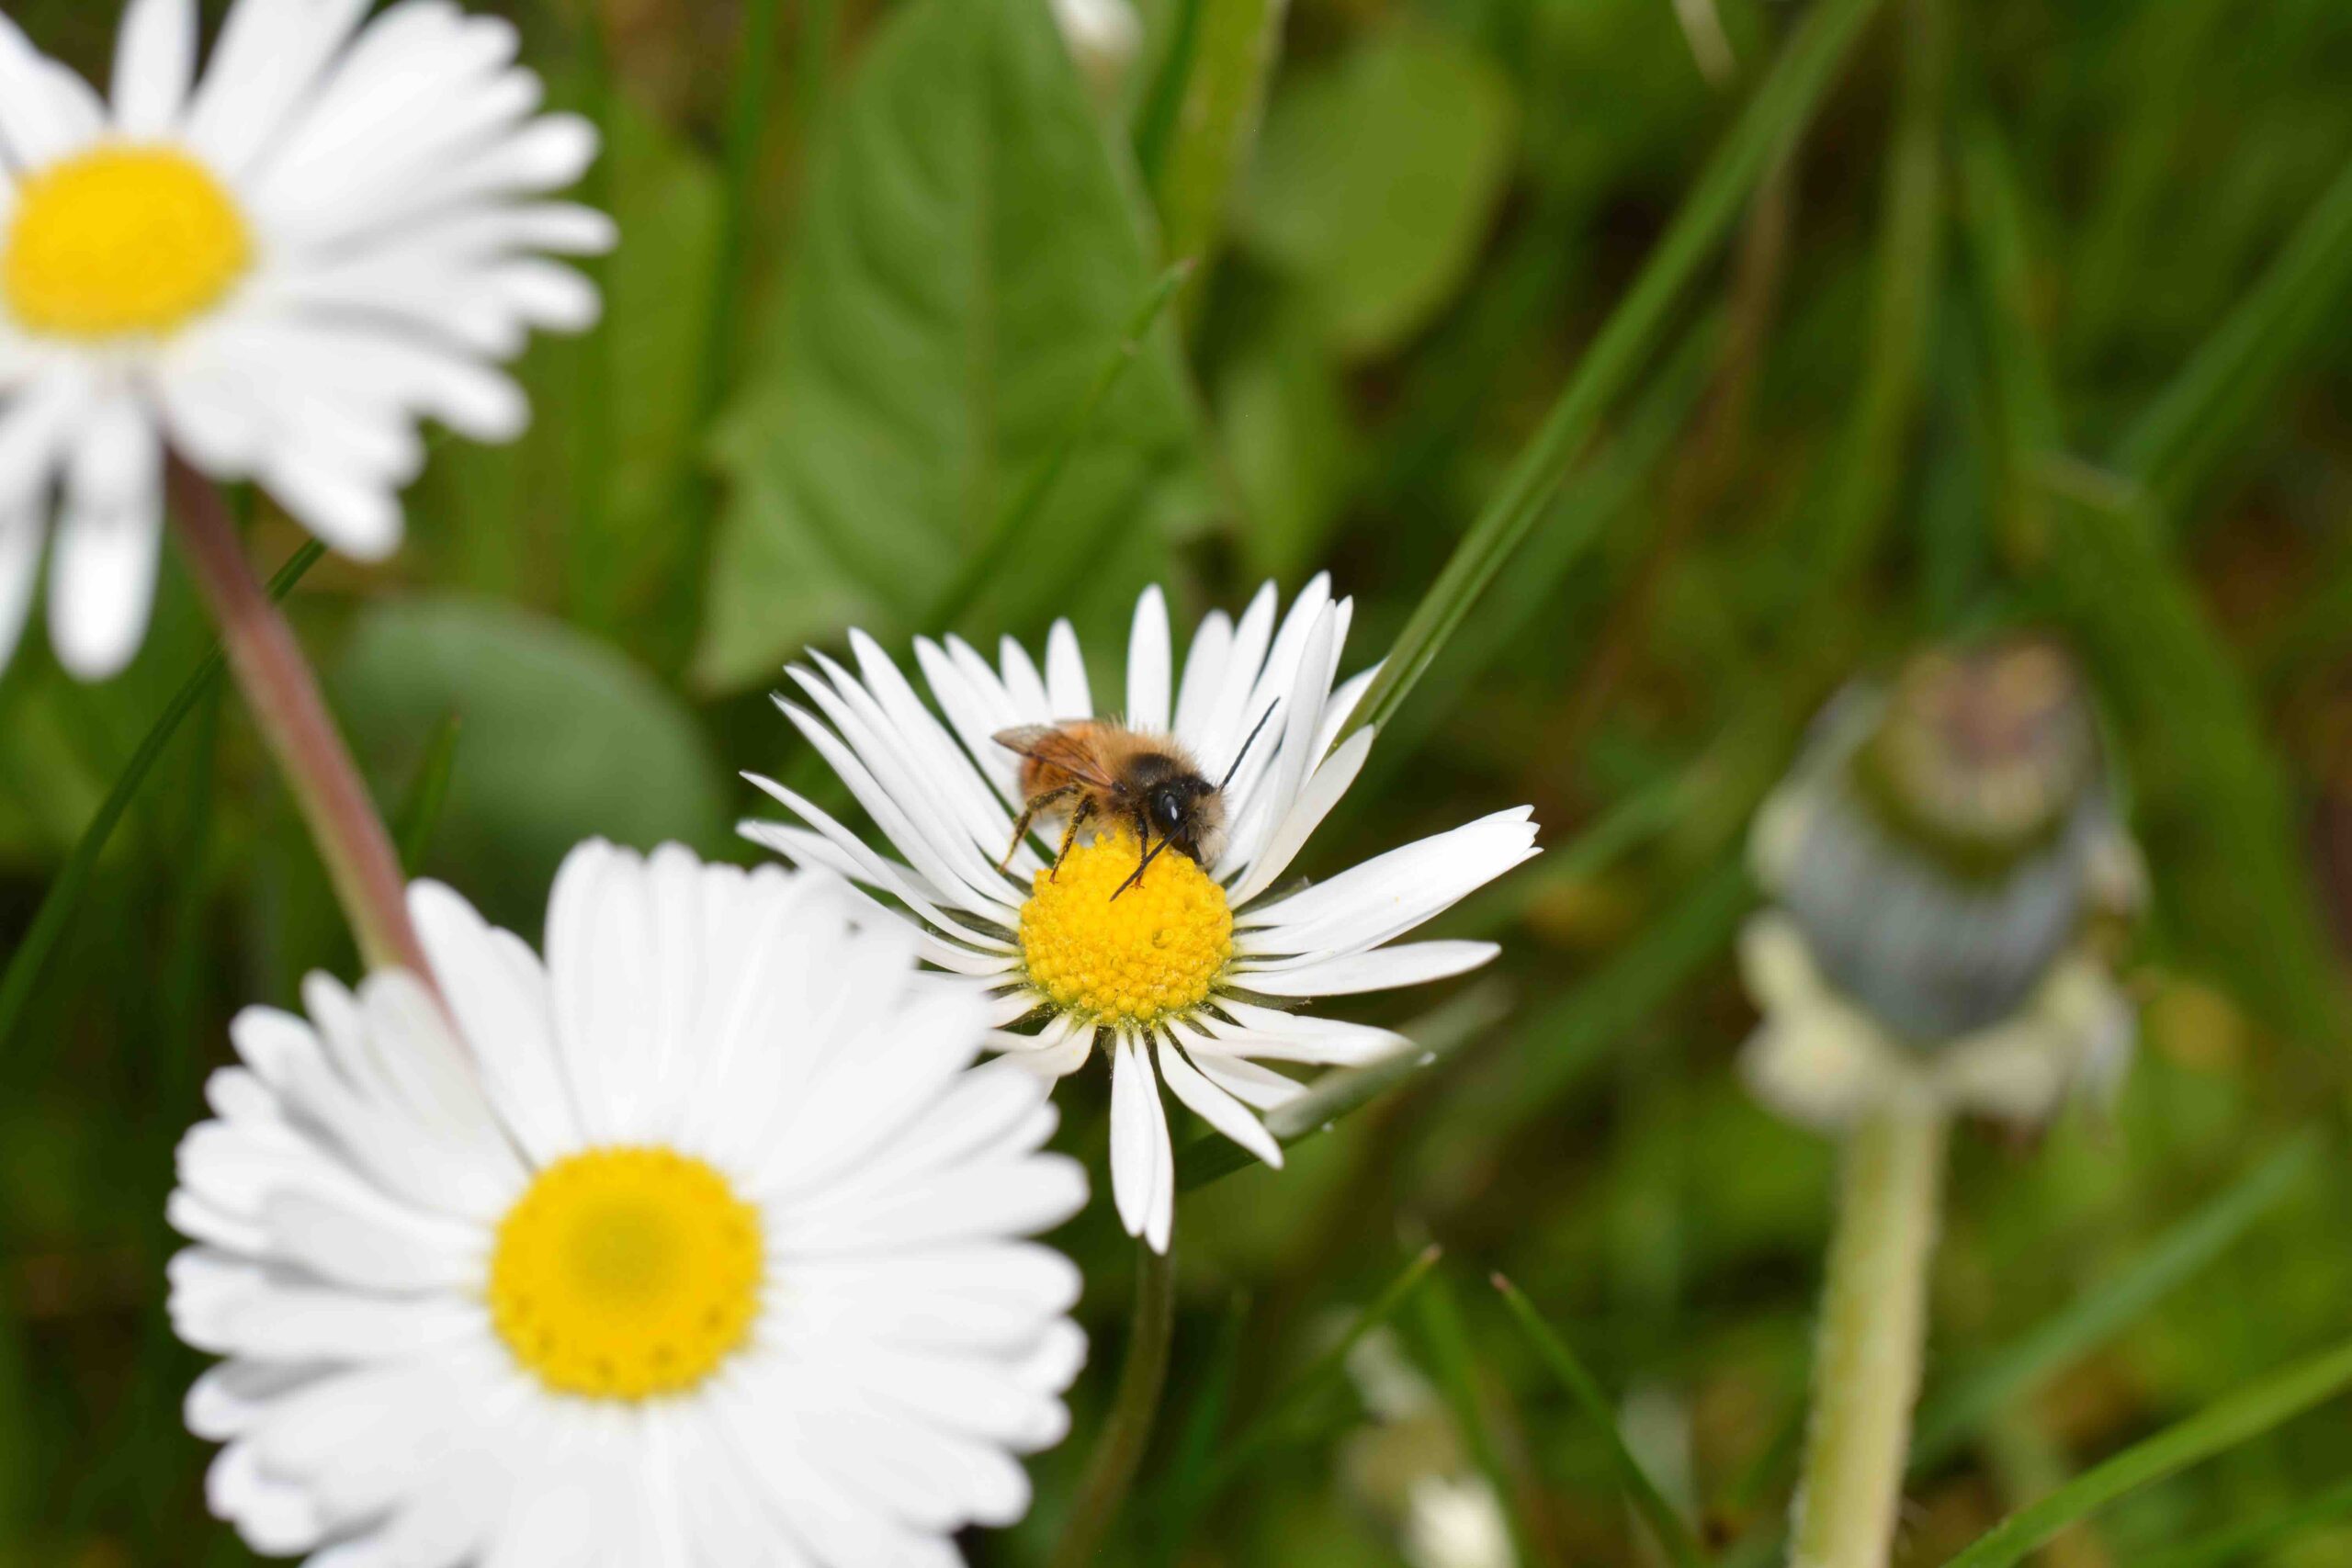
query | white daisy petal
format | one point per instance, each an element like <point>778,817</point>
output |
<point>1413,964</point>
<point>102,571</point>
<point>36,126</point>
<point>1205,665</point>
<point>1230,713</point>
<point>1324,787</point>
<point>269,58</point>
<point>1148,658</point>
<point>1216,1107</point>
<point>154,63</point>
<point>1390,893</point>
<point>1259,812</point>
<point>709,1059</point>
<point>1066,686</point>
<point>1032,703</point>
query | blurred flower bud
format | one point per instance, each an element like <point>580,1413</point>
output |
<point>1104,37</point>
<point>1948,867</point>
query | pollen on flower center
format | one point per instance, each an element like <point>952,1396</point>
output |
<point>626,1273</point>
<point>121,240</point>
<point>1155,950</point>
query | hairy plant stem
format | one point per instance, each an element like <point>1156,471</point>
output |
<point>1126,1431</point>
<point>1873,1325</point>
<point>284,700</point>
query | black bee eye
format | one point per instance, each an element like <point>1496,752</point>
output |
<point>1168,810</point>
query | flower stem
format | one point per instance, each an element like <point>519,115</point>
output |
<point>1873,1324</point>
<point>284,700</point>
<point>1118,1452</point>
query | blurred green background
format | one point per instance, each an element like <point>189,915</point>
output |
<point>2042,319</point>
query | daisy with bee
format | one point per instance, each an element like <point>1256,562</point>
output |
<point>1198,967</point>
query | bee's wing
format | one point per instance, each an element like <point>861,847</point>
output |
<point>1055,748</point>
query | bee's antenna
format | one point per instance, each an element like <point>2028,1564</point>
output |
<point>1247,744</point>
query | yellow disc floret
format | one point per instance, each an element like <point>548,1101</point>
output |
<point>1155,950</point>
<point>121,240</point>
<point>626,1273</point>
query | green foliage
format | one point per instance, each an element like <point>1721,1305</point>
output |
<point>969,254</point>
<point>1376,179</point>
<point>564,739</point>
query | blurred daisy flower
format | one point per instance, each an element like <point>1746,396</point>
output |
<point>275,272</point>
<point>1949,873</point>
<point>696,1242</point>
<point>1190,973</point>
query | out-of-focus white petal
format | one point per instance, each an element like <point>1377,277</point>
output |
<point>102,569</point>
<point>154,63</point>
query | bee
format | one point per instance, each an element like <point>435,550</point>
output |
<point>1088,768</point>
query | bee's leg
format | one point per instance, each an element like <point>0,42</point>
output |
<point>1069,834</point>
<point>1029,814</point>
<point>1141,863</point>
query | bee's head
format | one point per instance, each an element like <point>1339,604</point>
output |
<point>1190,814</point>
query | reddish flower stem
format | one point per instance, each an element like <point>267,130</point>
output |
<point>283,697</point>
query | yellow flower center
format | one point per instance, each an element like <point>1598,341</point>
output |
<point>626,1273</point>
<point>1155,950</point>
<point>120,240</point>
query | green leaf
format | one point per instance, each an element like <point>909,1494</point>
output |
<point>72,879</point>
<point>1378,179</point>
<point>1955,1410</point>
<point>1673,1532</point>
<point>968,257</point>
<point>565,740</point>
<point>1284,425</point>
<point>1782,104</point>
<point>2240,1419</point>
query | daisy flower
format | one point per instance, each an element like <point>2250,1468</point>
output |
<point>274,272</point>
<point>1194,973</point>
<point>696,1242</point>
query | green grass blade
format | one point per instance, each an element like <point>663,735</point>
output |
<point>1954,1412</point>
<point>1274,1424</point>
<point>1338,1094</point>
<point>746,130</point>
<point>1911,225</point>
<point>1228,52</point>
<point>73,881</point>
<point>1772,118</point>
<point>1155,129</point>
<point>2239,1419</point>
<point>420,811</point>
<point>1448,1341</point>
<point>2231,378</point>
<point>2239,1543</point>
<point>1673,1532</point>
<point>1196,1444</point>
